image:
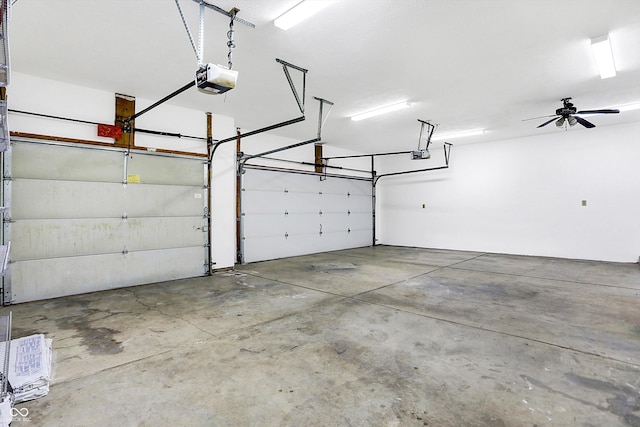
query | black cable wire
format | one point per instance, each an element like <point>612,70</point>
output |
<point>154,132</point>
<point>52,117</point>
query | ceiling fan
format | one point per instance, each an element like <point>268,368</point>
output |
<point>569,114</point>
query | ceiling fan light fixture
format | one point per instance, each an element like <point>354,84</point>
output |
<point>381,110</point>
<point>299,13</point>
<point>572,120</point>
<point>560,122</point>
<point>601,48</point>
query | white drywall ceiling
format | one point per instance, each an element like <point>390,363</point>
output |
<point>462,64</point>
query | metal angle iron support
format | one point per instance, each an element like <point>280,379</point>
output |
<point>299,144</point>
<point>186,27</point>
<point>285,67</point>
<point>199,50</point>
<point>431,129</point>
<point>200,54</point>
<point>230,14</point>
<point>321,118</point>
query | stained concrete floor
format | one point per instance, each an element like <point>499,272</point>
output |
<point>382,336</point>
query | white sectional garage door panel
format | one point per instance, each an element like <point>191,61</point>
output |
<point>76,228</point>
<point>288,214</point>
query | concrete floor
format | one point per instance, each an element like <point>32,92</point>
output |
<point>382,336</point>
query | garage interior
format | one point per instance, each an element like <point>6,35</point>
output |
<point>243,249</point>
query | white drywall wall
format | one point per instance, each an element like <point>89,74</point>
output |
<point>523,196</point>
<point>35,94</point>
<point>223,196</point>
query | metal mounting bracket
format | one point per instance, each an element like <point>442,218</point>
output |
<point>199,50</point>
<point>231,14</point>
<point>430,129</point>
<point>318,137</point>
<point>285,68</point>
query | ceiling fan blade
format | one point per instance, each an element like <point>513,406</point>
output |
<point>537,118</point>
<point>547,122</point>
<point>584,123</point>
<point>605,111</point>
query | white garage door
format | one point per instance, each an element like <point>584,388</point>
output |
<point>287,214</point>
<point>76,228</point>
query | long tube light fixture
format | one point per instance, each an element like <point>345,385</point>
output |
<point>381,110</point>
<point>454,135</point>
<point>628,107</point>
<point>299,13</point>
<point>601,48</point>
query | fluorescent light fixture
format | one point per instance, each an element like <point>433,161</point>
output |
<point>454,135</point>
<point>601,48</point>
<point>629,107</point>
<point>381,110</point>
<point>299,13</point>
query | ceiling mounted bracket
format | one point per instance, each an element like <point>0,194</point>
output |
<point>318,138</point>
<point>285,67</point>
<point>423,152</point>
<point>322,117</point>
<point>231,14</point>
<point>199,49</point>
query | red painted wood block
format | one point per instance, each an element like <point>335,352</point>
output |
<point>109,131</point>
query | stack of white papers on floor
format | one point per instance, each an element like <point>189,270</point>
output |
<point>29,367</point>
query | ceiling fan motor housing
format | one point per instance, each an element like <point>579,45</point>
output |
<point>566,110</point>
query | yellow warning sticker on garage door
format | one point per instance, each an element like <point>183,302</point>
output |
<point>133,179</point>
